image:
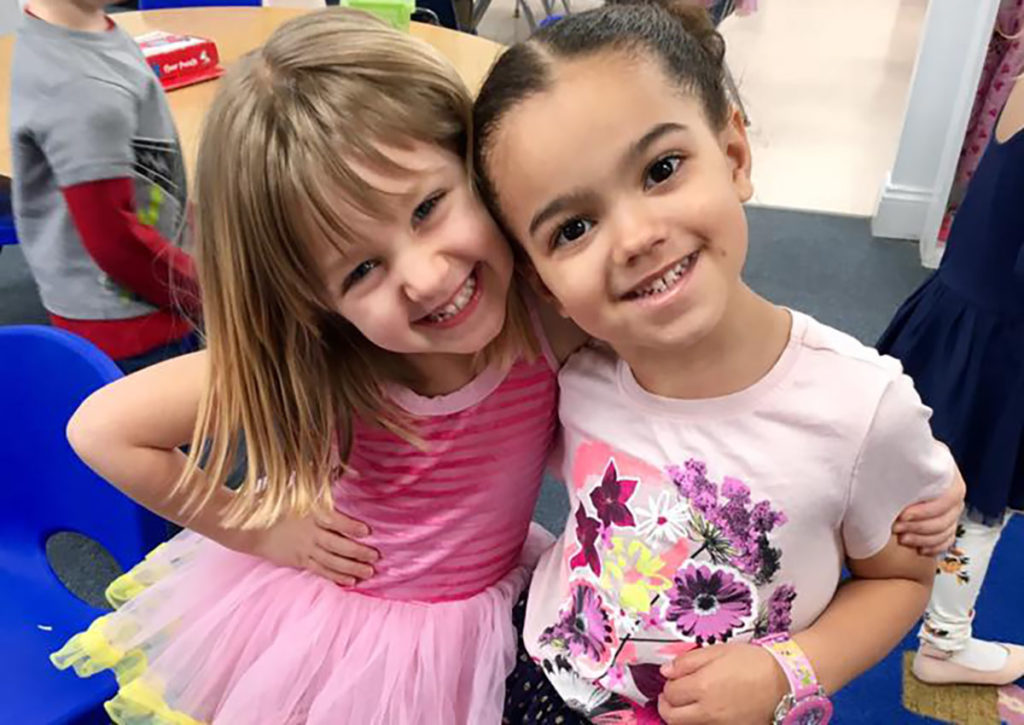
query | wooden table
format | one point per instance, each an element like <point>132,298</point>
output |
<point>237,30</point>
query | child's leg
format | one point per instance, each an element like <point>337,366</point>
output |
<point>948,651</point>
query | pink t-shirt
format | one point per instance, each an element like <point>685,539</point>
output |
<point>702,521</point>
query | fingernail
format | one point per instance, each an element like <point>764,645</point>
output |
<point>347,581</point>
<point>899,528</point>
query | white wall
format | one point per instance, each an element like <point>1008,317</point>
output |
<point>946,74</point>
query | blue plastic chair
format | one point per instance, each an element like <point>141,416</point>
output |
<point>164,4</point>
<point>7,233</point>
<point>44,489</point>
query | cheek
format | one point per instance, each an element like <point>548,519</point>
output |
<point>372,314</point>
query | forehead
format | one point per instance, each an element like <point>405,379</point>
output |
<point>398,168</point>
<point>577,130</point>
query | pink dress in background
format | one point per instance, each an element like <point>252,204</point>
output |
<point>1004,61</point>
<point>206,634</point>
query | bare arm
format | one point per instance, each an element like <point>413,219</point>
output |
<point>869,614</point>
<point>130,431</point>
<point>1012,119</point>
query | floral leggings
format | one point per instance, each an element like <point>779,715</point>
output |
<point>529,695</point>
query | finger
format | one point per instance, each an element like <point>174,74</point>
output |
<point>690,714</point>
<point>943,523</point>
<point>347,548</point>
<point>928,540</point>
<point>344,525</point>
<point>340,566</point>
<point>679,692</point>
<point>939,549</point>
<point>340,579</point>
<point>950,500</point>
<point>690,662</point>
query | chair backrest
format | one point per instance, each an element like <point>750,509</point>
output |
<point>45,374</point>
<point>164,4</point>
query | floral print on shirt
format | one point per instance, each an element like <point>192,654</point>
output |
<point>661,561</point>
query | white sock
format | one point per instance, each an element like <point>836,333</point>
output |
<point>980,655</point>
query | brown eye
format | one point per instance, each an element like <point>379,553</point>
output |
<point>571,231</point>
<point>662,170</point>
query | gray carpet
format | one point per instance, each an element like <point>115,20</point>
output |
<point>827,266</point>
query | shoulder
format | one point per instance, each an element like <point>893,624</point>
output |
<point>839,359</point>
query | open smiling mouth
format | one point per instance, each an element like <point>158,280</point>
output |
<point>665,282</point>
<point>459,305</point>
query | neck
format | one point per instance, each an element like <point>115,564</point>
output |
<point>740,350</point>
<point>70,14</point>
<point>440,373</point>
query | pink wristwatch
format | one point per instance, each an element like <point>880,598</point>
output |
<point>806,703</point>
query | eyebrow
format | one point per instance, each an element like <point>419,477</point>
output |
<point>637,149</point>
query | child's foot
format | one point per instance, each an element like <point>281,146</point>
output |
<point>979,663</point>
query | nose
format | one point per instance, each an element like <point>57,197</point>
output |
<point>637,233</point>
<point>425,279</point>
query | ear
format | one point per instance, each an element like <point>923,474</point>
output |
<point>736,146</point>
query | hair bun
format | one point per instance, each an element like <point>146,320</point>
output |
<point>694,17</point>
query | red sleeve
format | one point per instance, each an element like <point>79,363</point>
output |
<point>135,255</point>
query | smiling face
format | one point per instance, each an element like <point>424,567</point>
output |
<point>433,274</point>
<point>627,201</point>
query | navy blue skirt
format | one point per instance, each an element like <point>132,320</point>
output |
<point>967,362</point>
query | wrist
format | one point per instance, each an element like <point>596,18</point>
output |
<point>777,685</point>
<point>803,696</point>
<point>244,541</point>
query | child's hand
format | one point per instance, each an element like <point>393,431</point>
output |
<point>323,544</point>
<point>930,527</point>
<point>725,684</point>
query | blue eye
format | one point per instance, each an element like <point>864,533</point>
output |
<point>422,212</point>
<point>571,231</point>
<point>661,170</point>
<point>361,270</point>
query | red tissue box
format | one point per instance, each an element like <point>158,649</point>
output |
<point>180,60</point>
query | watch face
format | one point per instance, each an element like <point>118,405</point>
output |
<point>813,710</point>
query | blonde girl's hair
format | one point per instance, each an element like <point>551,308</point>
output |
<point>286,374</point>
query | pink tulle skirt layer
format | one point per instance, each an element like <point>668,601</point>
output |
<point>205,634</point>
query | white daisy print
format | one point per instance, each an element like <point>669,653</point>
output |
<point>665,519</point>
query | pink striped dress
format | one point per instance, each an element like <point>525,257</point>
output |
<point>218,636</point>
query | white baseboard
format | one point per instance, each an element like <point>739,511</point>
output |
<point>902,211</point>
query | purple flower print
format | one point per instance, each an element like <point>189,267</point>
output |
<point>764,519</point>
<point>584,628</point>
<point>780,609</point>
<point>776,616</point>
<point>735,490</point>
<point>708,603</point>
<point>735,518</point>
<point>729,528</point>
<point>587,532</point>
<point>610,498</point>
<point>692,482</point>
